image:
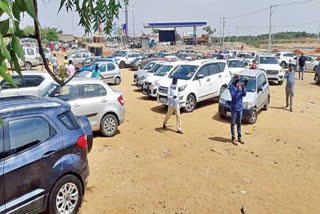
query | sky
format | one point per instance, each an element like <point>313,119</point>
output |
<point>299,17</point>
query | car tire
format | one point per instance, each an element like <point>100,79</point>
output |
<point>190,103</point>
<point>280,82</point>
<point>73,184</point>
<point>316,79</point>
<point>266,106</point>
<point>117,81</point>
<point>283,64</point>
<point>139,67</point>
<point>122,64</point>
<point>28,66</point>
<point>109,125</point>
<point>253,118</point>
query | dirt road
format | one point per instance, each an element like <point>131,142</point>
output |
<point>146,170</point>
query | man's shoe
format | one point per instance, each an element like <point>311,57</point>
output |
<point>233,141</point>
<point>164,126</point>
<point>241,141</point>
<point>179,132</point>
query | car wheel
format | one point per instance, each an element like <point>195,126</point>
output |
<point>139,67</point>
<point>316,79</point>
<point>190,103</point>
<point>109,125</point>
<point>283,64</point>
<point>66,196</point>
<point>122,64</point>
<point>28,66</point>
<point>266,106</point>
<point>117,81</point>
<point>280,82</point>
<point>253,117</point>
<point>222,89</point>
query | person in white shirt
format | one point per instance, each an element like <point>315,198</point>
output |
<point>71,69</point>
<point>55,63</point>
<point>173,105</point>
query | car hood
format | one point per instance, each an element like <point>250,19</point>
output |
<point>85,74</point>
<point>141,72</point>
<point>248,98</point>
<point>152,78</point>
<point>270,67</point>
<point>166,82</point>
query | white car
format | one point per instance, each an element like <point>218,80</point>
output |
<point>30,83</point>
<point>197,81</point>
<point>79,57</point>
<point>286,58</point>
<point>237,65</point>
<point>31,57</point>
<point>126,58</point>
<point>110,72</point>
<point>112,45</point>
<point>311,63</point>
<point>151,82</point>
<point>270,65</point>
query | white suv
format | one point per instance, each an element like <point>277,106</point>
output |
<point>126,58</point>
<point>197,81</point>
<point>270,65</point>
<point>286,58</point>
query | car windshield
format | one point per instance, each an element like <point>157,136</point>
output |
<point>48,90</point>
<point>246,56</point>
<point>163,70</point>
<point>155,68</point>
<point>149,65</point>
<point>236,64</point>
<point>66,93</point>
<point>250,83</point>
<point>184,72</point>
<point>268,60</point>
<point>220,56</point>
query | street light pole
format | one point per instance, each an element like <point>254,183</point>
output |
<point>223,28</point>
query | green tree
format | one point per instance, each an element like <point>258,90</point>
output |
<point>92,13</point>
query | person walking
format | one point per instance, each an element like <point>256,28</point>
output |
<point>71,69</point>
<point>254,65</point>
<point>290,87</point>
<point>173,105</point>
<point>302,66</point>
<point>55,63</point>
<point>96,71</point>
<point>238,91</point>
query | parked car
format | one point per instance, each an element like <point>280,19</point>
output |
<point>286,58</point>
<point>30,83</point>
<point>112,45</point>
<point>222,57</point>
<point>141,75</point>
<point>79,57</point>
<point>237,65</point>
<point>85,62</point>
<point>47,54</point>
<point>109,72</point>
<point>119,53</point>
<point>311,63</point>
<point>125,59</point>
<point>246,56</point>
<point>191,53</point>
<point>257,98</point>
<point>151,84</point>
<point>147,57</point>
<point>197,81</point>
<point>317,74</point>
<point>97,60</point>
<point>32,58</point>
<point>270,65</point>
<point>43,156</point>
<point>93,98</point>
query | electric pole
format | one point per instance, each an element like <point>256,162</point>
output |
<point>127,20</point>
<point>223,28</point>
<point>237,33</point>
<point>270,29</point>
<point>318,33</point>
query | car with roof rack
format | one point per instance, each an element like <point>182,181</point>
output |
<point>43,156</point>
<point>198,80</point>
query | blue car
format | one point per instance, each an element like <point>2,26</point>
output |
<point>102,59</point>
<point>43,156</point>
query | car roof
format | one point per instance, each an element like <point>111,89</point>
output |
<point>32,73</point>
<point>82,80</point>
<point>250,73</point>
<point>266,55</point>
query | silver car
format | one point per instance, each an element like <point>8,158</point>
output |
<point>30,83</point>
<point>103,106</point>
<point>32,58</point>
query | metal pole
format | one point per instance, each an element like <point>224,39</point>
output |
<point>270,30</point>
<point>134,30</point>
<point>223,28</point>
<point>195,35</point>
<point>318,33</point>
<point>237,33</point>
<point>220,31</point>
<point>127,21</point>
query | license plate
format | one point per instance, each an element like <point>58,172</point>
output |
<point>163,99</point>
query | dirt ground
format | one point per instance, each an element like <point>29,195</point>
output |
<point>144,169</point>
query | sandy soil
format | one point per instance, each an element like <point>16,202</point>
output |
<point>146,170</point>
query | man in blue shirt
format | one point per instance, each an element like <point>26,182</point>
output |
<point>290,86</point>
<point>238,91</point>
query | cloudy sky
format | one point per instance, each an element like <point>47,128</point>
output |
<point>299,17</point>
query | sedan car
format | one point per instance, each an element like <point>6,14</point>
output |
<point>103,106</point>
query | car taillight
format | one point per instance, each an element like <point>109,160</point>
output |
<point>82,141</point>
<point>120,100</point>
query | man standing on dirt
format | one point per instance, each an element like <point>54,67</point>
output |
<point>302,66</point>
<point>290,86</point>
<point>173,105</point>
<point>238,91</point>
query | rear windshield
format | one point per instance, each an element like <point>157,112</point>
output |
<point>69,120</point>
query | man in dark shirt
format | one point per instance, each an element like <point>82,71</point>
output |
<point>302,66</point>
<point>238,91</point>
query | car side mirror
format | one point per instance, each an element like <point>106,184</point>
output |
<point>200,76</point>
<point>259,89</point>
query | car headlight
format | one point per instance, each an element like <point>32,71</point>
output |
<point>247,105</point>
<point>156,82</point>
<point>180,89</point>
<point>222,101</point>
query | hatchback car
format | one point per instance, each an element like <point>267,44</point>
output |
<point>30,83</point>
<point>43,156</point>
<point>257,98</point>
<point>31,57</point>
<point>103,106</point>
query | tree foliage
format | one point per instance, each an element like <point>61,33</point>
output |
<point>92,13</point>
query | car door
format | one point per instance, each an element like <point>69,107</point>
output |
<point>32,144</point>
<point>201,84</point>
<point>263,93</point>
<point>265,89</point>
<point>8,90</point>
<point>215,79</point>
<point>104,73</point>
<point>31,85</point>
<point>2,202</point>
<point>91,102</point>
<point>309,62</point>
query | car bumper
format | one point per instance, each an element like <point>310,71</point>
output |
<point>85,173</point>
<point>275,77</point>
<point>150,90</point>
<point>163,99</point>
<point>225,110</point>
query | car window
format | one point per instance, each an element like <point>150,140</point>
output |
<point>24,133</point>
<point>264,80</point>
<point>213,69</point>
<point>90,90</point>
<point>69,120</point>
<point>260,81</point>
<point>67,92</point>
<point>6,85</point>
<point>111,67</point>
<point>204,71</point>
<point>221,66</point>
<point>102,91</point>
<point>32,81</point>
<point>30,51</point>
<point>85,55</point>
